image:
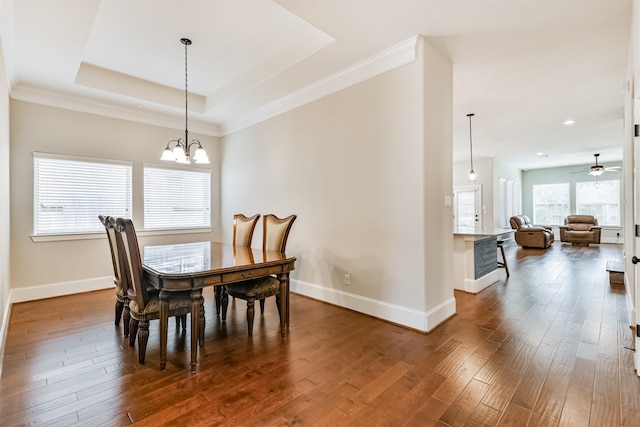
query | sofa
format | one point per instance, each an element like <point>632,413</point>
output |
<point>580,229</point>
<point>529,235</point>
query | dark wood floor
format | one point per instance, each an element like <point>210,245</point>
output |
<point>550,346</point>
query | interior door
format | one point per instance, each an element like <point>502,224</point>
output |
<point>467,216</point>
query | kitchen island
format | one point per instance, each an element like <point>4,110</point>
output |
<point>475,262</point>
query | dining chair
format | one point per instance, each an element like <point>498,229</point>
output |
<point>144,304</point>
<point>275,232</point>
<point>243,227</point>
<point>122,299</point>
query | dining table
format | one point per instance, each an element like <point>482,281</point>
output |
<point>193,266</point>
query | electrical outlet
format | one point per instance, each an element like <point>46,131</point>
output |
<point>347,279</point>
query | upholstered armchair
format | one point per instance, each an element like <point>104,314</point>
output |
<point>580,229</point>
<point>529,235</point>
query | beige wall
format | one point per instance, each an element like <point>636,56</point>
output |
<point>4,203</point>
<point>352,166</point>
<point>78,263</point>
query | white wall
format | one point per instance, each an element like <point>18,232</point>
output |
<point>5,230</point>
<point>79,265</point>
<point>351,165</point>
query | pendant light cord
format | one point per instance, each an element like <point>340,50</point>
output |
<point>470,140</point>
<point>186,43</point>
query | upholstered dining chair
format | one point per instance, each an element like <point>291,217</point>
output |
<point>144,304</point>
<point>275,232</point>
<point>243,227</point>
<point>119,279</point>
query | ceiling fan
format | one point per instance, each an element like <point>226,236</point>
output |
<point>597,170</point>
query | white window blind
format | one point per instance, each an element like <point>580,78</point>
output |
<point>70,193</point>
<point>176,198</point>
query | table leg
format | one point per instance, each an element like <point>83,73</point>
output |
<point>164,326</point>
<point>283,304</point>
<point>196,294</point>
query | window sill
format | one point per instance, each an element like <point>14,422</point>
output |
<point>102,235</point>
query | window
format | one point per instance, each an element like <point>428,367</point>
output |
<point>70,193</point>
<point>550,203</point>
<point>600,199</point>
<point>176,198</point>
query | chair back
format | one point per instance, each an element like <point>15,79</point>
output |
<point>519,222</point>
<point>243,227</point>
<point>118,276</point>
<point>128,241</point>
<point>275,232</point>
<point>581,221</point>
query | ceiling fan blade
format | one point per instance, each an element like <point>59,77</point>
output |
<point>613,169</point>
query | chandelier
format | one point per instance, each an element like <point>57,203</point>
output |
<point>182,148</point>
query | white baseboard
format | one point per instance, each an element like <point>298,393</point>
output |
<point>32,293</point>
<point>415,319</point>
<point>475,286</point>
<point>3,331</point>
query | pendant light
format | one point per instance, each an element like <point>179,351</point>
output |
<point>472,174</point>
<point>182,149</point>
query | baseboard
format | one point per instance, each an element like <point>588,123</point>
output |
<point>414,319</point>
<point>477,285</point>
<point>51,290</point>
<point>3,331</point>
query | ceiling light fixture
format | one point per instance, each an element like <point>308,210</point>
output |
<point>472,174</point>
<point>568,122</point>
<point>596,170</point>
<point>182,149</point>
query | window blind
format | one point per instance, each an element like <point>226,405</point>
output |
<point>70,193</point>
<point>176,198</point>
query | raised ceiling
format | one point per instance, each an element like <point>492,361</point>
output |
<point>522,66</point>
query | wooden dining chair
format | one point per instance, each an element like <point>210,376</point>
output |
<point>275,232</point>
<point>144,304</point>
<point>243,227</point>
<point>122,299</point>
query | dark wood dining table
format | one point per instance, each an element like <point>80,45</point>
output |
<point>194,266</point>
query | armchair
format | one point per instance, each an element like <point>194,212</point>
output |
<point>580,229</point>
<point>529,235</point>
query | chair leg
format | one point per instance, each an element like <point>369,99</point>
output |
<point>503,264</point>
<point>217,293</point>
<point>224,304</point>
<point>201,325</point>
<point>262,306</point>
<point>143,338</point>
<point>126,317</point>
<point>278,305</point>
<point>183,319</point>
<point>119,308</point>
<point>250,315</point>
<point>133,331</point>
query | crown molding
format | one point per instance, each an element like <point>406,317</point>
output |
<point>38,95</point>
<point>394,57</point>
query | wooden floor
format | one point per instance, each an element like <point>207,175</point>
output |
<point>550,346</point>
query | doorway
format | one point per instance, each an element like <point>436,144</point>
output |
<point>467,202</point>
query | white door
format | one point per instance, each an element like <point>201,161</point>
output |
<point>467,216</point>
